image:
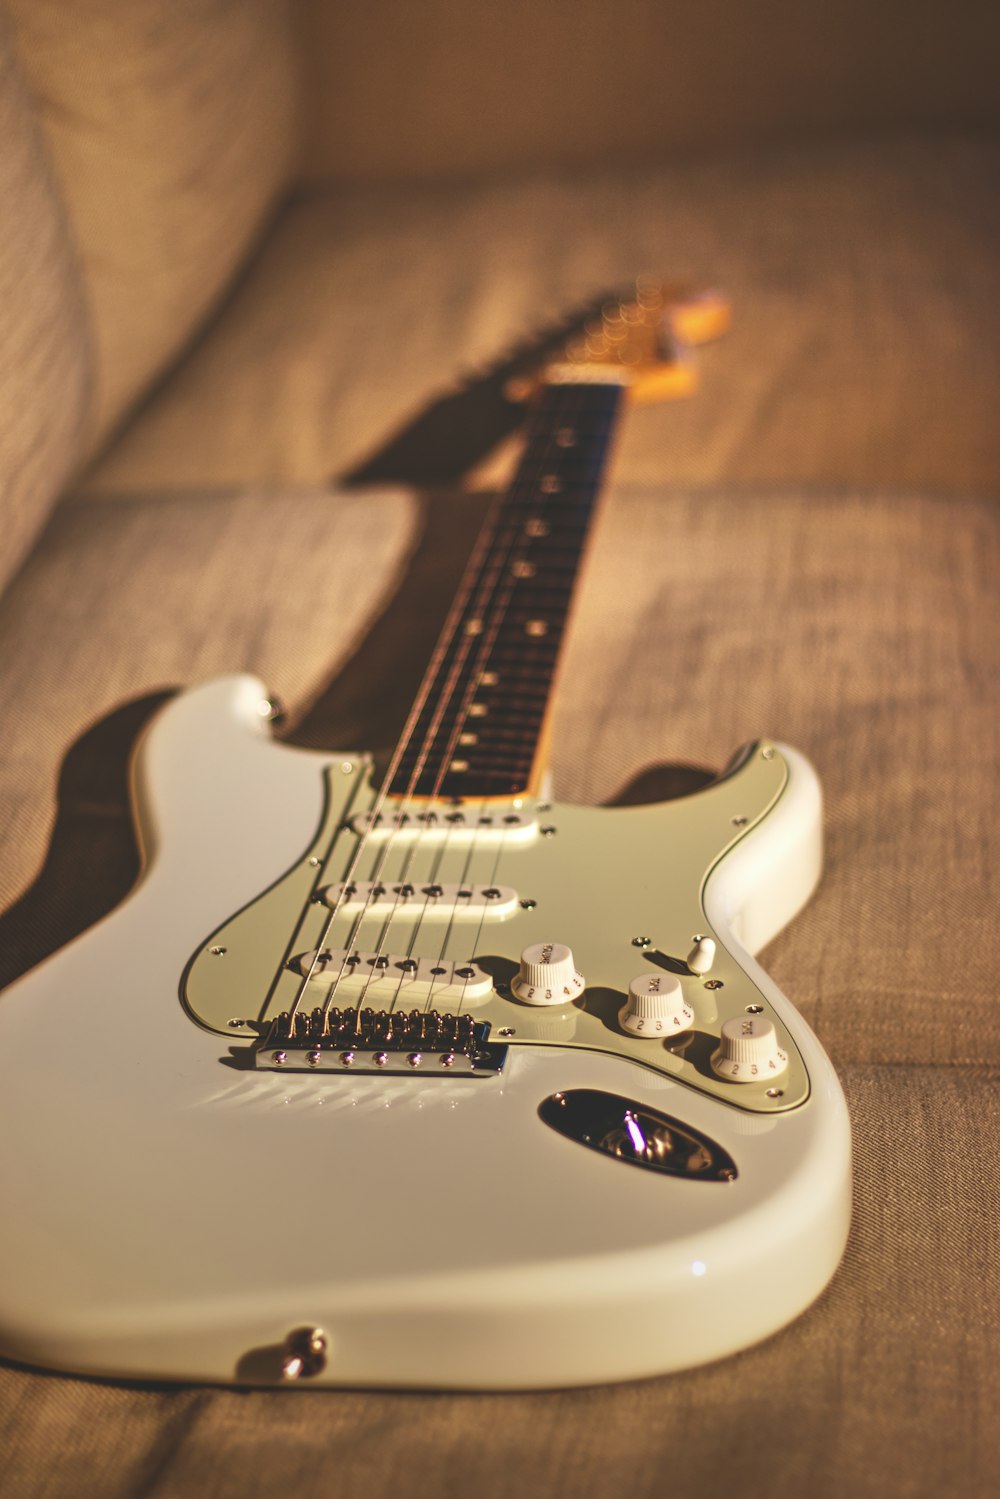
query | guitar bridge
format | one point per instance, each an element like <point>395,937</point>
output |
<point>379,1041</point>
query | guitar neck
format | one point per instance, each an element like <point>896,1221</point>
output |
<point>477,727</point>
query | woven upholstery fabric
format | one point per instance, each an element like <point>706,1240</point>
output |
<point>887,1386</point>
<point>171,133</point>
<point>863,275</point>
<point>864,631</point>
<point>44,353</point>
<point>124,600</point>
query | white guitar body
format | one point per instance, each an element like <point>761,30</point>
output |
<point>169,1216</point>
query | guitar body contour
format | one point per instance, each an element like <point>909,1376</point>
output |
<point>174,1211</point>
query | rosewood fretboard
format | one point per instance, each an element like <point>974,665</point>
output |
<point>476,724</point>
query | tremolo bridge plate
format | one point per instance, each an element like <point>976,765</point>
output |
<point>417,1042</point>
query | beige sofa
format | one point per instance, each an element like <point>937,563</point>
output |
<point>240,245</point>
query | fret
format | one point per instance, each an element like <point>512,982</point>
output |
<point>485,700</point>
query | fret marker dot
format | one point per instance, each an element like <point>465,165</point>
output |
<point>524,569</point>
<point>551,484</point>
<point>536,627</point>
<point>536,527</point>
<point>474,627</point>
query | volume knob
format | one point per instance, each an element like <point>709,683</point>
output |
<point>547,975</point>
<point>656,1008</point>
<point>748,1050</point>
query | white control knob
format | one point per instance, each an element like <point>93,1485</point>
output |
<point>547,975</point>
<point>702,955</point>
<point>656,1008</point>
<point>748,1050</point>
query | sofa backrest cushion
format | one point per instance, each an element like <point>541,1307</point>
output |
<point>44,351</point>
<point>171,128</point>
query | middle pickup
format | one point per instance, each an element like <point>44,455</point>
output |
<point>426,900</point>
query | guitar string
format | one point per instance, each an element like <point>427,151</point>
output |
<point>497,609</point>
<point>490,579</point>
<point>455,614</point>
<point>491,574</point>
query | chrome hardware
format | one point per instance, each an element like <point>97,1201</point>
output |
<point>637,1134</point>
<point>271,709</point>
<point>383,1041</point>
<point>642,942</point>
<point>304,1353</point>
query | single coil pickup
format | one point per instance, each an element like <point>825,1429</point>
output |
<point>432,900</point>
<point>409,978</point>
<point>485,824</point>
<point>379,1041</point>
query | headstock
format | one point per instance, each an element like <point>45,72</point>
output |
<point>646,340</point>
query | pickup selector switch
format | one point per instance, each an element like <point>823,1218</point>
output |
<point>656,1008</point>
<point>702,955</point>
<point>547,975</point>
<point>748,1051</point>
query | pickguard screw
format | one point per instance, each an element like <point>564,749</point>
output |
<point>507,1030</point>
<point>528,905</point>
<point>217,952</point>
<point>544,806</point>
<point>767,753</point>
<point>236,1023</point>
<point>714,984</point>
<point>755,1009</point>
<point>548,832</point>
<point>727,1174</point>
<point>775,1092</point>
<point>642,942</point>
<point>315,862</point>
<point>277,1057</point>
<point>346,767</point>
<point>739,822</point>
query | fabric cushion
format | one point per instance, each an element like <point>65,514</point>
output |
<point>861,276</point>
<point>862,630</point>
<point>44,352</point>
<point>171,134</point>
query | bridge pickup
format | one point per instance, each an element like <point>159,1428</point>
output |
<point>426,901</point>
<point>485,824</point>
<point>386,976</point>
<point>379,1041</point>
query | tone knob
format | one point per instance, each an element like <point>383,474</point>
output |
<point>547,975</point>
<point>656,1008</point>
<point>748,1050</point>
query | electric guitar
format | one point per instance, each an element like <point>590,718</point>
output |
<point>404,1074</point>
